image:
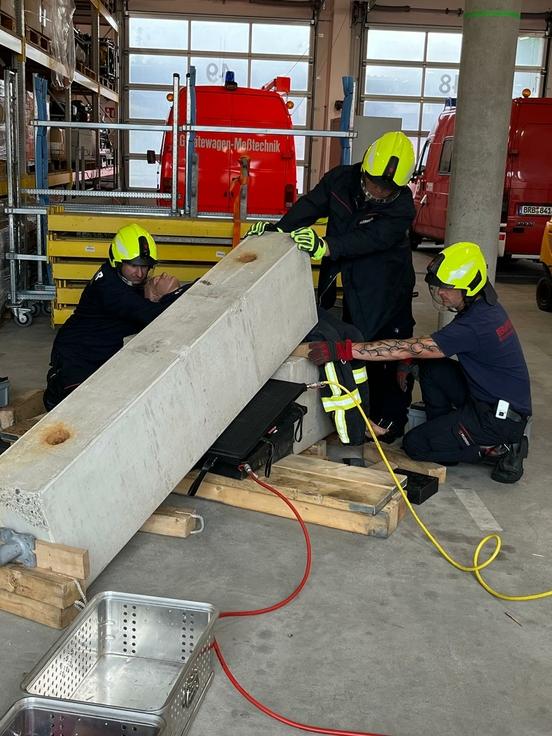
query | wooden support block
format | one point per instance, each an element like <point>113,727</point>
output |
<point>302,350</point>
<point>310,466</point>
<point>25,406</point>
<point>400,459</point>
<point>381,525</point>
<point>15,431</point>
<point>40,585</point>
<point>70,561</point>
<point>42,613</point>
<point>171,521</point>
<point>319,450</point>
<point>344,492</point>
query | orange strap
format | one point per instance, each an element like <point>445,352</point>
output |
<point>241,181</point>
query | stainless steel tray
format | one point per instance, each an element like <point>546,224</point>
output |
<point>141,653</point>
<point>43,717</point>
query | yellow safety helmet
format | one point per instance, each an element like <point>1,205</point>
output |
<point>390,160</point>
<point>132,244</point>
<point>460,266</point>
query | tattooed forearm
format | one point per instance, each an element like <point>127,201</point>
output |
<point>412,347</point>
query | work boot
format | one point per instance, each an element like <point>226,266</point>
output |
<point>509,467</point>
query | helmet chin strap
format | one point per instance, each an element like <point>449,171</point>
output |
<point>377,200</point>
<point>127,281</point>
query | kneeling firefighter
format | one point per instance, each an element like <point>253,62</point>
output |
<point>477,406</point>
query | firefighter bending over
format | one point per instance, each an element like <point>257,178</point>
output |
<point>477,407</point>
<point>369,209</point>
<point>119,301</point>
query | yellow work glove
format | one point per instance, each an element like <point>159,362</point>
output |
<point>307,240</point>
<point>258,228</point>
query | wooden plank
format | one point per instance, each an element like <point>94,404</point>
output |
<point>42,613</point>
<point>346,495</point>
<point>315,466</point>
<point>380,525</point>
<point>171,521</point>
<point>25,406</point>
<point>400,459</point>
<point>40,585</point>
<point>71,561</point>
<point>335,494</point>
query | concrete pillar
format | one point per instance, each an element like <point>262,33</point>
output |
<point>482,118</point>
<point>94,469</point>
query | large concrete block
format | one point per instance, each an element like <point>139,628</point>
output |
<point>316,423</point>
<point>94,469</point>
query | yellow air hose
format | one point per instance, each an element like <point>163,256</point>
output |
<point>477,566</point>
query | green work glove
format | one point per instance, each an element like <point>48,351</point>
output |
<point>309,242</point>
<point>258,228</point>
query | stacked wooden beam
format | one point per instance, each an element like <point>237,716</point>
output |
<point>48,592</point>
<point>331,494</point>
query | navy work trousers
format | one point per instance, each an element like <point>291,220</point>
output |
<point>457,425</point>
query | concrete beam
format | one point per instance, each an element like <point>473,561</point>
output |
<point>94,469</point>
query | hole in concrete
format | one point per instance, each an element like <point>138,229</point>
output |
<point>204,281</point>
<point>57,435</point>
<point>247,257</point>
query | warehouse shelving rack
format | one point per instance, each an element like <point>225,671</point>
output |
<point>189,242</point>
<point>29,288</point>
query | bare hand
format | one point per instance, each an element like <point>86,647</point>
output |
<point>158,286</point>
<point>378,431</point>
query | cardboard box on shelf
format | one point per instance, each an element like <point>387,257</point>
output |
<point>33,14</point>
<point>56,145</point>
<point>83,145</point>
<point>8,6</point>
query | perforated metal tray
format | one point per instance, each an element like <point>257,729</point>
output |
<point>43,717</point>
<point>141,653</point>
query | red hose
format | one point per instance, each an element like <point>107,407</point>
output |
<point>299,588</point>
<point>257,612</point>
<point>277,716</point>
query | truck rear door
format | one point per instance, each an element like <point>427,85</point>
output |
<point>528,190</point>
<point>432,189</point>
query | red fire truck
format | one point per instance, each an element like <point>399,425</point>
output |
<point>271,162</point>
<point>527,200</point>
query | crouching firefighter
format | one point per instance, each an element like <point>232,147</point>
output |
<point>477,407</point>
<point>352,375</point>
<point>119,301</point>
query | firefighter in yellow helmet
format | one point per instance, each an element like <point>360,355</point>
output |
<point>119,301</point>
<point>477,407</point>
<point>369,209</point>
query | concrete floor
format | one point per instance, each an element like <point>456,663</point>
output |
<point>387,636</point>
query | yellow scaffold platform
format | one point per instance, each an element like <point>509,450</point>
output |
<point>78,244</point>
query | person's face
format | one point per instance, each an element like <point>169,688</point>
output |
<point>451,299</point>
<point>377,192</point>
<point>137,275</point>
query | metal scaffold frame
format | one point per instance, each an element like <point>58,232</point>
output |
<point>25,301</point>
